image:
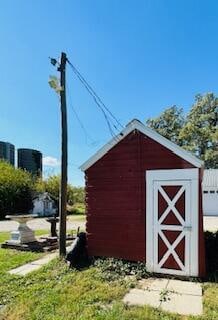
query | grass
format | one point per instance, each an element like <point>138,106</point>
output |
<point>77,218</point>
<point>56,292</point>
<point>6,235</point>
<point>10,259</point>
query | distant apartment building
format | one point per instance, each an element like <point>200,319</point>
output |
<point>7,152</point>
<point>30,160</point>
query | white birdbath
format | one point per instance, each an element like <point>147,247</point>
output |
<point>23,234</point>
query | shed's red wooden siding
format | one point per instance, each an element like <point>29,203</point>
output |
<point>115,196</point>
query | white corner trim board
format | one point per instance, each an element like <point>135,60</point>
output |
<point>137,125</point>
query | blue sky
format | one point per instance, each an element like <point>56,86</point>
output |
<point>140,56</point>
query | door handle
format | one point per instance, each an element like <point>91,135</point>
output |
<point>187,228</point>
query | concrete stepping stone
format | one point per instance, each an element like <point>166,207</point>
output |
<point>142,297</point>
<point>153,284</point>
<point>184,304</point>
<point>185,287</point>
<point>182,297</point>
<point>45,259</point>
<point>33,266</point>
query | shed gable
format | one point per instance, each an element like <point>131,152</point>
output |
<point>149,133</point>
<point>137,149</point>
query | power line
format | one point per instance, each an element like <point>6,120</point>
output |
<point>86,134</point>
<point>94,92</point>
<point>98,104</point>
<point>98,101</point>
<point>73,165</point>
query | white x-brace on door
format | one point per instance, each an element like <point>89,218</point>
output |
<point>172,221</point>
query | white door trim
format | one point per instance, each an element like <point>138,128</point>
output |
<point>191,176</point>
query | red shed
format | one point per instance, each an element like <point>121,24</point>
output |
<point>143,202</point>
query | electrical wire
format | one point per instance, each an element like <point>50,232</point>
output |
<point>86,134</point>
<point>94,92</point>
<point>98,102</point>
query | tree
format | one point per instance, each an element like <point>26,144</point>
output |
<point>197,132</point>
<point>200,132</point>
<point>16,190</point>
<point>52,186</point>
<point>169,123</point>
<point>76,195</point>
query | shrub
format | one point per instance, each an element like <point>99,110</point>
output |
<point>211,248</point>
<point>16,189</point>
<point>114,269</point>
<point>77,208</point>
<point>75,195</point>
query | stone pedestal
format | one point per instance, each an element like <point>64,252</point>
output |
<point>24,239</point>
<point>53,221</point>
<point>23,234</point>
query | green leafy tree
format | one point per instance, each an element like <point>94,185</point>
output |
<point>16,190</point>
<point>200,132</point>
<point>70,195</point>
<point>52,186</point>
<point>76,195</point>
<point>169,123</point>
<point>197,132</point>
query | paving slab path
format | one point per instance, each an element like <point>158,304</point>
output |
<point>37,264</point>
<point>182,297</point>
<point>34,265</point>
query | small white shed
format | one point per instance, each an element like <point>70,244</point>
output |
<point>44,205</point>
<point>210,192</point>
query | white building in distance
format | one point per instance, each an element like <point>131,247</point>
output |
<point>44,205</point>
<point>210,192</point>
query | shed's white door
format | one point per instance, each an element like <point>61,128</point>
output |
<point>172,221</point>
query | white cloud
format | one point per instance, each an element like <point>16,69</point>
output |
<point>50,162</point>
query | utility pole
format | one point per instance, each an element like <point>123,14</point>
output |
<point>63,186</point>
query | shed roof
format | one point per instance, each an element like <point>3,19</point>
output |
<point>138,125</point>
<point>210,178</point>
